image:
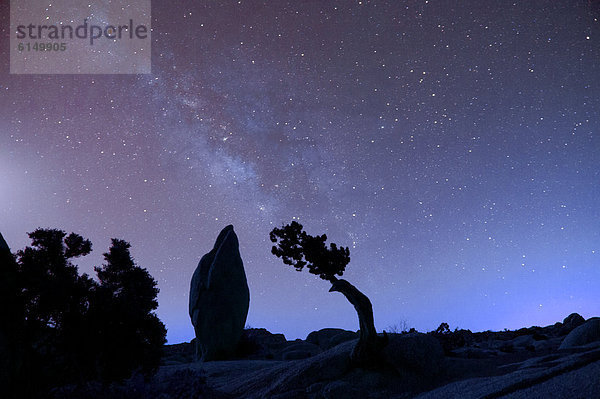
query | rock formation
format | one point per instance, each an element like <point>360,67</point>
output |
<point>572,321</point>
<point>3,245</point>
<point>219,299</point>
<point>327,338</point>
<point>582,335</point>
<point>524,363</point>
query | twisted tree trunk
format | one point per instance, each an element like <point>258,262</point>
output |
<point>367,351</point>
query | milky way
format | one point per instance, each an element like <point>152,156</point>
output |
<point>453,146</point>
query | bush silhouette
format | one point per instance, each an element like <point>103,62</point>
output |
<point>451,340</point>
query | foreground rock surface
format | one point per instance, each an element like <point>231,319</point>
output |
<point>526,363</point>
<point>219,299</point>
<point>573,321</point>
<point>327,338</point>
<point>532,378</point>
<point>584,334</point>
<point>328,375</point>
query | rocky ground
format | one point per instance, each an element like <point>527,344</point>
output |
<point>558,361</point>
<point>562,360</point>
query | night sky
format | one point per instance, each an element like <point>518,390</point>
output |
<point>454,146</point>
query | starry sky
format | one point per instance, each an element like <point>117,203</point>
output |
<point>453,146</point>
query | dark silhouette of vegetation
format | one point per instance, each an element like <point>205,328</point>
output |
<point>444,328</point>
<point>451,340</point>
<point>299,249</point>
<point>65,328</point>
<point>130,335</point>
<point>56,299</point>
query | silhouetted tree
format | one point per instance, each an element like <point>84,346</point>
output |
<point>55,300</point>
<point>71,329</point>
<point>444,328</point>
<point>299,249</point>
<point>130,335</point>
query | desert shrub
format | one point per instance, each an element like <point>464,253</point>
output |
<point>400,328</point>
<point>451,340</point>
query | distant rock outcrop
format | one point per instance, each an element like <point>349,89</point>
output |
<point>584,334</point>
<point>258,343</point>
<point>571,322</point>
<point>327,338</point>
<point>300,350</point>
<point>219,299</point>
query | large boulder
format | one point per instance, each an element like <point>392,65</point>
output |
<point>289,379</point>
<point>327,338</point>
<point>300,350</point>
<point>416,352</point>
<point>341,338</point>
<point>584,334</point>
<point>219,299</point>
<point>258,343</point>
<point>571,322</point>
<point>523,342</point>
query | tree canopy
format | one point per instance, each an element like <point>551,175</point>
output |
<point>69,328</point>
<point>299,249</point>
<point>130,335</point>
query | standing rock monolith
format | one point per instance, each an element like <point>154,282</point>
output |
<point>584,334</point>
<point>219,299</point>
